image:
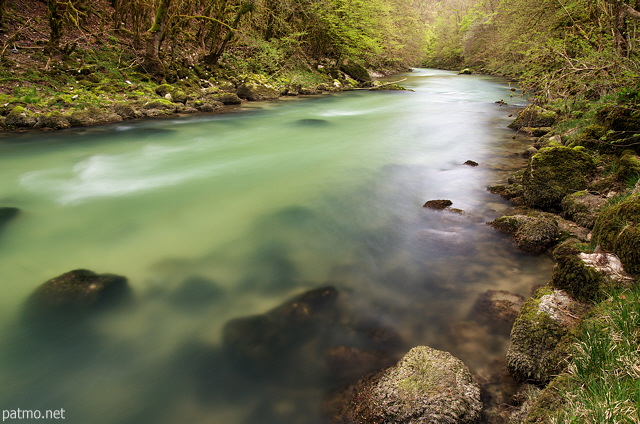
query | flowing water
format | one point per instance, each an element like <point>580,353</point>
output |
<point>218,217</point>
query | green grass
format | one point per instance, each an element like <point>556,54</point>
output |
<point>603,384</point>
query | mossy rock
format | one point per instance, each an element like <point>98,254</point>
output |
<point>628,167</point>
<point>617,230</point>
<point>425,386</point>
<point>125,110</point>
<point>357,72</point>
<point>92,116</point>
<point>574,276</point>
<point>555,172</point>
<point>534,233</point>
<point>534,116</point>
<point>541,335</point>
<point>582,207</point>
<point>54,120</point>
<point>254,91</point>
<point>225,98</point>
<point>20,117</point>
<point>620,118</point>
<point>160,104</point>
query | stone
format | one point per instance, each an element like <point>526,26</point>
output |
<point>471,163</point>
<point>554,173</point>
<point>617,230</point>
<point>438,204</point>
<point>497,309</point>
<point>534,233</point>
<point>346,364</point>
<point>582,207</point>
<point>541,335</point>
<point>425,386</point>
<point>77,293</point>
<point>262,341</point>
<point>20,117</point>
<point>534,116</point>
<point>125,110</point>
<point>52,120</point>
<point>253,91</point>
<point>355,71</point>
<point>93,116</point>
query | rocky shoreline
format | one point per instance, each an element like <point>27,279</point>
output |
<point>565,203</point>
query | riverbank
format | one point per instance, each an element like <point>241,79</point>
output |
<point>579,198</point>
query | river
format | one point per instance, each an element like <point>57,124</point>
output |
<point>215,217</point>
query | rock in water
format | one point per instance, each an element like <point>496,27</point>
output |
<point>425,386</point>
<point>438,204</point>
<point>7,214</point>
<point>76,293</point>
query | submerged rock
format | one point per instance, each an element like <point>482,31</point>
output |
<point>346,364</point>
<point>425,386</point>
<point>77,293</point>
<point>471,163</point>
<point>7,214</point>
<point>497,309</point>
<point>541,335</point>
<point>261,341</point>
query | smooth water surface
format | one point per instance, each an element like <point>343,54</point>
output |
<point>256,207</point>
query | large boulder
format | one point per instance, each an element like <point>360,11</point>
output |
<point>76,293</point>
<point>425,386</point>
<point>254,91</point>
<point>541,335</point>
<point>555,172</point>
<point>52,120</point>
<point>534,117</point>
<point>617,230</point>
<point>355,71</point>
<point>266,340</point>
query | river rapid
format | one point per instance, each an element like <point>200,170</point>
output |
<point>216,217</point>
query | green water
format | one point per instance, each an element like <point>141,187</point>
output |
<point>262,204</point>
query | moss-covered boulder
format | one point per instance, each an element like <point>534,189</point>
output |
<point>125,110</point>
<point>254,91</point>
<point>534,116</point>
<point>541,335</point>
<point>53,120</point>
<point>628,167</point>
<point>20,117</point>
<point>355,71</point>
<point>582,207</point>
<point>225,98</point>
<point>92,116</point>
<point>425,386</point>
<point>617,230</point>
<point>555,172</point>
<point>619,118</point>
<point>533,233</point>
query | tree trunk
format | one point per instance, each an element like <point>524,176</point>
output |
<point>152,62</point>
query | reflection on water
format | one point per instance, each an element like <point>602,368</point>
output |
<point>219,218</point>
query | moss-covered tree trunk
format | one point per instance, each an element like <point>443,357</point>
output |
<point>152,62</point>
<point>55,14</point>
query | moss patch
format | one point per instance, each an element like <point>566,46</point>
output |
<point>617,229</point>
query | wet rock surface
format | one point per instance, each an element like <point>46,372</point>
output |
<point>497,309</point>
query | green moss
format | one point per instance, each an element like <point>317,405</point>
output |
<point>572,275</point>
<point>534,116</point>
<point>617,230</point>
<point>555,172</point>
<point>538,343</point>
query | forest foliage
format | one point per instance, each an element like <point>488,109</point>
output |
<point>262,36</point>
<point>557,48</point>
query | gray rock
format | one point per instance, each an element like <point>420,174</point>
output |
<point>583,208</point>
<point>253,92</point>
